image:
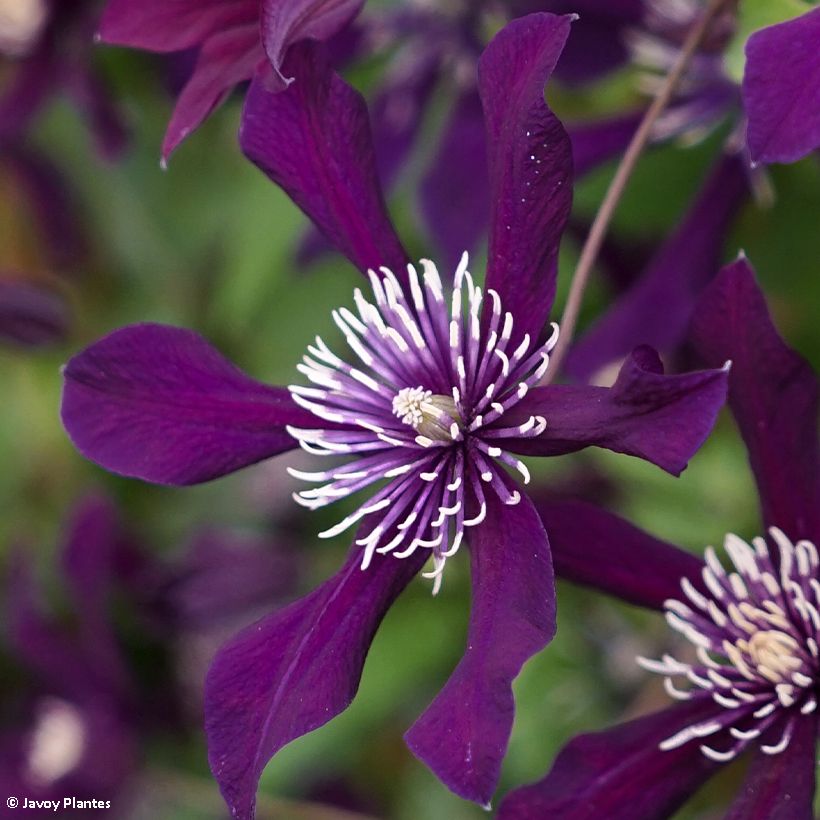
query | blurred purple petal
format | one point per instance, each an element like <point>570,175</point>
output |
<point>293,671</point>
<point>657,310</point>
<point>596,143</point>
<point>285,22</point>
<point>781,90</point>
<point>663,419</point>
<point>530,162</point>
<point>31,315</point>
<point>314,140</point>
<point>172,25</point>
<point>773,393</point>
<point>598,549</point>
<point>463,734</point>
<point>226,59</point>
<point>620,773</point>
<point>159,403</point>
<point>781,786</point>
<point>454,189</point>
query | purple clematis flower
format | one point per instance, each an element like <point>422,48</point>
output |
<point>444,394</point>
<point>234,38</point>
<point>750,677</point>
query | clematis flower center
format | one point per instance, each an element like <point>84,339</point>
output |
<point>57,743</point>
<point>423,410</point>
<point>21,22</point>
<point>756,632</point>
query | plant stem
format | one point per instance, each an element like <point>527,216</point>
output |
<point>592,246</point>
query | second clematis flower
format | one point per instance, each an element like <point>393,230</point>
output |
<point>441,392</point>
<point>748,680</point>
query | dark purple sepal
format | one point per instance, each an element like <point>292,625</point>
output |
<point>598,549</point>
<point>226,59</point>
<point>672,280</point>
<point>463,734</point>
<point>159,403</point>
<point>31,316</point>
<point>781,786</point>
<point>454,188</point>
<point>314,140</point>
<point>620,773</point>
<point>781,90</point>
<point>293,671</point>
<point>773,393</point>
<point>172,25</point>
<point>663,419</point>
<point>285,22</point>
<point>530,162</point>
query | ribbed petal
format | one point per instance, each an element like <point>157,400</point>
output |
<point>598,549</point>
<point>454,189</point>
<point>293,671</point>
<point>314,140</point>
<point>781,90</point>
<point>225,60</point>
<point>30,315</point>
<point>530,163</point>
<point>620,773</point>
<point>285,22</point>
<point>781,787</point>
<point>663,419</point>
<point>159,403</point>
<point>463,735</point>
<point>658,308</point>
<point>773,393</point>
<point>172,25</point>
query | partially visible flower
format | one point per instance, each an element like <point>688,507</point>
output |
<point>750,677</point>
<point>234,39</point>
<point>46,49</point>
<point>445,393</point>
<point>31,315</point>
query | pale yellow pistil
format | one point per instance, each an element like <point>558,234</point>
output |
<point>431,415</point>
<point>21,22</point>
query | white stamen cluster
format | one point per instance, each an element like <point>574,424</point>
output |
<point>21,22</point>
<point>756,636</point>
<point>424,411</point>
<point>57,743</point>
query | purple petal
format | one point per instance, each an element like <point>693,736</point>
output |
<point>227,59</point>
<point>172,25</point>
<point>663,419</point>
<point>30,315</point>
<point>781,90</point>
<point>598,549</point>
<point>463,735</point>
<point>620,773</point>
<point>530,162</point>
<point>781,787</point>
<point>26,90</point>
<point>454,189</point>
<point>285,22</point>
<point>314,140</point>
<point>672,280</point>
<point>773,393</point>
<point>159,403</point>
<point>294,670</point>
<point>595,143</point>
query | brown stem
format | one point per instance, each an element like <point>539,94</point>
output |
<point>597,232</point>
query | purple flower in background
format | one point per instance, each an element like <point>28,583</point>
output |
<point>46,48</point>
<point>750,677</point>
<point>31,315</point>
<point>234,38</point>
<point>444,394</point>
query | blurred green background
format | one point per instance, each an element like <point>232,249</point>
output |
<point>209,245</point>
